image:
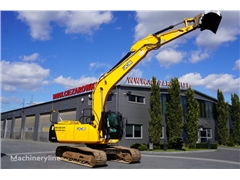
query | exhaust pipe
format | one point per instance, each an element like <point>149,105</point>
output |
<point>210,21</point>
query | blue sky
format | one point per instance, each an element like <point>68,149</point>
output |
<point>45,52</point>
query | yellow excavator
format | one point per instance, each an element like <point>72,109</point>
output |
<point>104,129</point>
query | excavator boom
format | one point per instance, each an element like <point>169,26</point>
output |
<point>106,128</point>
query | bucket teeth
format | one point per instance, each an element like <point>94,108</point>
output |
<point>211,21</point>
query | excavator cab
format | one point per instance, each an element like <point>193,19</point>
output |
<point>210,21</point>
<point>112,125</point>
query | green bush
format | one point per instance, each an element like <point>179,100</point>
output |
<point>205,145</point>
<point>201,146</point>
<point>192,146</point>
<point>230,141</point>
<point>213,145</point>
<point>156,146</point>
<point>162,146</point>
<point>135,145</point>
<point>175,143</point>
<point>143,147</point>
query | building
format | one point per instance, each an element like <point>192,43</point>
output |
<point>132,99</point>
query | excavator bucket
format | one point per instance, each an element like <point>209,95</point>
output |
<point>211,21</point>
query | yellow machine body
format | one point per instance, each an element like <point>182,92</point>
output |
<point>70,131</point>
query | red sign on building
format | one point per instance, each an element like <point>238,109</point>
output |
<point>74,91</point>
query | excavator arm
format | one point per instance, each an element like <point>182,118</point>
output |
<point>141,48</point>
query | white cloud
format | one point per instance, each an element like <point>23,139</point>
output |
<point>210,40</point>
<point>227,83</point>
<point>135,73</point>
<point>73,21</point>
<point>93,64</point>
<point>8,100</point>
<point>8,88</point>
<point>194,79</point>
<point>85,21</point>
<point>149,57</point>
<point>99,68</point>
<point>31,57</point>
<point>27,76</point>
<point>69,82</point>
<point>39,22</point>
<point>168,57</point>
<point>98,65</point>
<point>197,56</point>
<point>237,65</point>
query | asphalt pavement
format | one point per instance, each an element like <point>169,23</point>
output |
<point>23,154</point>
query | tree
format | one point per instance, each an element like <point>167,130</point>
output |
<point>192,114</point>
<point>174,110</point>
<point>235,116</point>
<point>222,118</point>
<point>155,121</point>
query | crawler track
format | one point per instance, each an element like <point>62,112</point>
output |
<point>92,157</point>
<point>82,155</point>
<point>123,154</point>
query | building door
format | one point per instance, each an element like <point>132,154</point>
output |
<point>17,128</point>
<point>44,125</point>
<point>8,128</point>
<point>29,127</point>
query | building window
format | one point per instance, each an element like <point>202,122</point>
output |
<point>209,109</point>
<point>136,99</point>
<point>206,109</point>
<point>140,99</point>
<point>109,98</point>
<point>133,131</point>
<point>202,108</point>
<point>205,134</point>
<point>209,133</point>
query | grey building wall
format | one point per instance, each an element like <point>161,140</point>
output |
<point>135,113</point>
<point>35,119</point>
